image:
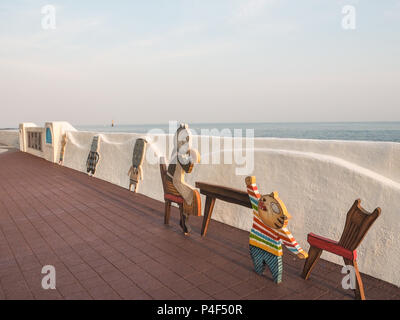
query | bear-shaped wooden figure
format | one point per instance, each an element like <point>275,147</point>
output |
<point>269,231</point>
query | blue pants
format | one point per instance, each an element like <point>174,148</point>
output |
<point>262,258</point>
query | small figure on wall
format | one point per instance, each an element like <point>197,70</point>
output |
<point>62,151</point>
<point>93,157</point>
<point>182,161</point>
<point>269,231</point>
<point>135,172</point>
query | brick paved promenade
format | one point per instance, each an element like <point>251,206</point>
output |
<point>108,243</point>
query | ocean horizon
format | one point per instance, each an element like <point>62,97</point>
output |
<point>358,131</point>
<point>351,131</point>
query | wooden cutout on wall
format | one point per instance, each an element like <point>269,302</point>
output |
<point>93,157</point>
<point>182,162</point>
<point>135,172</point>
<point>62,151</point>
<point>269,231</point>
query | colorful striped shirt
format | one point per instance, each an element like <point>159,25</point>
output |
<point>267,238</point>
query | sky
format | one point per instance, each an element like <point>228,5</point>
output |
<point>141,62</point>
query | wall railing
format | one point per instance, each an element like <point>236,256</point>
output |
<point>35,140</point>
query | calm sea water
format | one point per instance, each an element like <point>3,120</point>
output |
<point>367,131</point>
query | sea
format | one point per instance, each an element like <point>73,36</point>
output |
<point>361,131</point>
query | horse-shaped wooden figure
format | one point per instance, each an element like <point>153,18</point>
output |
<point>183,159</point>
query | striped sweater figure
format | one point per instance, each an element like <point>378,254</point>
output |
<point>269,231</point>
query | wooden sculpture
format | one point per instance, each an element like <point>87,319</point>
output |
<point>93,157</point>
<point>269,231</point>
<point>62,151</point>
<point>358,222</point>
<point>182,161</point>
<point>135,172</point>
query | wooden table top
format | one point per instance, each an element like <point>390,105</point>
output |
<point>223,193</point>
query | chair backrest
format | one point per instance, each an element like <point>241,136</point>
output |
<point>358,222</point>
<point>163,172</point>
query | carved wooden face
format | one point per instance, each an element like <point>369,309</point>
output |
<point>64,140</point>
<point>183,140</point>
<point>183,144</point>
<point>272,211</point>
<point>138,152</point>
<point>95,144</point>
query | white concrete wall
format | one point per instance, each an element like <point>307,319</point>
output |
<point>380,157</point>
<point>38,153</point>
<point>318,181</point>
<point>9,138</point>
<point>49,151</point>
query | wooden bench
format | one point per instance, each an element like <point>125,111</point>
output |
<point>213,192</point>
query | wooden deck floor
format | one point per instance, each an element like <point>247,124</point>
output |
<point>107,243</point>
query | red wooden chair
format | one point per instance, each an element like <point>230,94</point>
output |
<point>358,222</point>
<point>171,195</point>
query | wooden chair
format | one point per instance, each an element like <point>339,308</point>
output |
<point>171,195</point>
<point>358,222</point>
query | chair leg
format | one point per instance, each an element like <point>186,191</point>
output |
<point>184,221</point>
<point>167,211</point>
<point>359,291</point>
<point>313,255</point>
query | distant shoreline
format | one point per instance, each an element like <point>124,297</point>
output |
<point>347,131</point>
<point>354,131</point>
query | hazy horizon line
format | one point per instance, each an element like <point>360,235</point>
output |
<point>216,122</point>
